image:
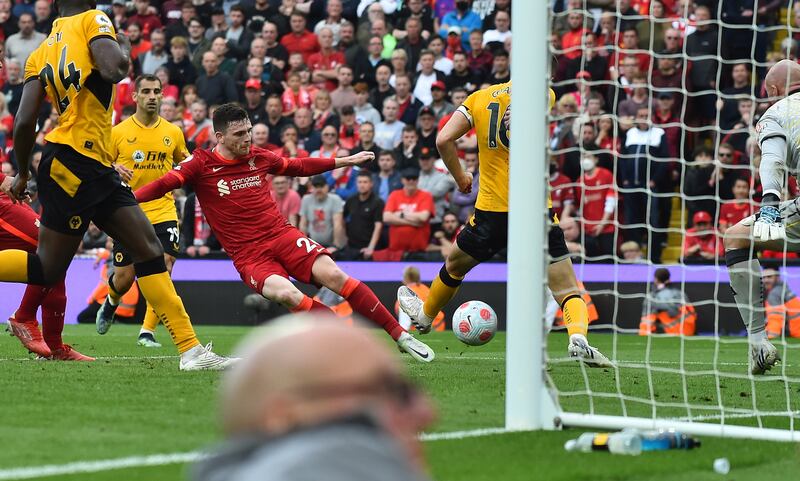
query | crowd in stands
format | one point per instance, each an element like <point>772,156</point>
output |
<point>657,100</point>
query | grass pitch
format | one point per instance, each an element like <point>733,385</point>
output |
<point>134,402</point>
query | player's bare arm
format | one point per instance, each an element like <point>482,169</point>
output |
<point>25,136</point>
<point>355,159</point>
<point>111,57</point>
<point>454,129</point>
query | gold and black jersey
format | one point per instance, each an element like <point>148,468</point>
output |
<point>67,70</point>
<point>150,152</point>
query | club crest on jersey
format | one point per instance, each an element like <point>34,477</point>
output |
<point>167,141</point>
<point>252,164</point>
<point>138,156</point>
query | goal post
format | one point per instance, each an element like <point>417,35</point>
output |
<point>697,384</point>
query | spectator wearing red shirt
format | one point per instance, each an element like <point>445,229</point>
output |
<point>628,48</point>
<point>741,206</point>
<point>480,59</point>
<point>702,241</point>
<point>408,213</point>
<point>324,63</point>
<point>145,18</point>
<point>562,192</point>
<point>664,117</point>
<point>300,40</point>
<point>571,40</point>
<point>288,200</point>
<point>597,198</point>
<point>295,97</point>
<point>138,44</point>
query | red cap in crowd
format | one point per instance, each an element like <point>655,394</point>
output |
<point>701,216</point>
<point>253,83</point>
<point>438,85</point>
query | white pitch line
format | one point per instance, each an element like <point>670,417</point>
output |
<point>175,458</point>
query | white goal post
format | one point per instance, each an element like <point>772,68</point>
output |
<point>533,398</point>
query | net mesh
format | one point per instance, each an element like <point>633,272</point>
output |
<point>653,155</point>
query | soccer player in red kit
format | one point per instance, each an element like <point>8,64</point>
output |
<point>231,183</point>
<point>19,229</point>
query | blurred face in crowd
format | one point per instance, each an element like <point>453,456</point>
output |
<point>42,9</point>
<point>608,23</point>
<point>163,75</point>
<point>587,134</point>
<point>426,164</point>
<point>289,136</point>
<point>399,60</point>
<point>386,163</point>
<point>297,24</point>
<point>345,76</point>
<point>471,161</point>
<point>476,41</point>
<point>402,85</point>
<point>575,21</point>
<point>415,6</point>
<point>199,112</point>
<point>334,9</point>
<point>253,97</point>
<point>196,30</point>
<point>672,39</point>
<point>367,133</point>
<point>426,61</point>
<point>450,224</point>
<point>643,119</point>
<point>410,185</point>
<point>630,39</point>
<point>605,124</point>
<point>594,107</point>
<point>189,95</point>
<point>158,40</point>
<point>631,253</point>
<point>409,138</point>
<point>725,155</point>
<point>378,28</point>
<point>438,94</point>
<point>329,137</point>
<point>362,97</point>
<point>346,34</point>
<point>302,118</point>
<point>13,71</point>
<point>294,82</point>
<point>258,48</point>
<point>656,9</point>
<point>188,12</point>
<point>141,6</point>
<point>414,28</point>
<point>255,68</point>
<point>746,109</point>
<point>702,15</point>
<point>178,52</point>
<point>500,64</point>
<point>269,32</point>
<point>325,37</point>
<point>375,12</point>
<point>375,47</point>
<point>502,21</point>
<point>741,189</point>
<point>167,111</point>
<point>665,103</point>
<point>572,232</point>
<point>323,100</point>
<point>274,107</point>
<point>458,98</point>
<point>134,32</point>
<point>237,18</point>
<point>210,63</point>
<point>26,24</point>
<point>280,183</point>
<point>321,191</point>
<point>769,281</point>
<point>390,110</point>
<point>219,46</point>
<point>382,75</point>
<point>260,132</point>
<point>364,184</point>
<point>295,61</point>
<point>740,74</point>
<point>629,67</point>
<point>436,45</point>
<point>460,63</point>
<point>427,122</point>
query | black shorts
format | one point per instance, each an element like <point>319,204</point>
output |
<point>167,233</point>
<point>486,234</point>
<point>75,189</point>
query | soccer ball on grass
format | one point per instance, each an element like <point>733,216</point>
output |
<point>474,323</point>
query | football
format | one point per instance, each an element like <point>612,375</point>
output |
<point>474,323</point>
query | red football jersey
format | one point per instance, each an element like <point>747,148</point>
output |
<point>235,194</point>
<point>731,212</point>
<point>562,190</point>
<point>593,192</point>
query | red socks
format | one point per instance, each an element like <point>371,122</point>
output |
<point>31,300</point>
<point>53,307</point>
<point>309,304</point>
<point>364,302</point>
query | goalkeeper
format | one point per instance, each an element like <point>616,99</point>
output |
<point>776,222</point>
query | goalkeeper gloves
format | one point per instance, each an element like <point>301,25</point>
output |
<point>768,225</point>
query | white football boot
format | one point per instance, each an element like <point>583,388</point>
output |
<point>202,358</point>
<point>580,349</point>
<point>411,304</point>
<point>763,355</point>
<point>418,349</point>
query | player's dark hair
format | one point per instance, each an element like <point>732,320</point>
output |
<point>227,114</point>
<point>237,8</point>
<point>145,78</point>
<point>662,275</point>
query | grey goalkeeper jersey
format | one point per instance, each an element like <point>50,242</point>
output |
<point>779,139</point>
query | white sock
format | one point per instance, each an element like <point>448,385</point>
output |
<point>193,352</point>
<point>146,331</point>
<point>404,320</point>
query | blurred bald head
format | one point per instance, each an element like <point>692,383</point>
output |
<point>782,78</point>
<point>296,373</point>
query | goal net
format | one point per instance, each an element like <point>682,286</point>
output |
<point>651,156</point>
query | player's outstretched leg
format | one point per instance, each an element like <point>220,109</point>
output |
<point>744,272</point>
<point>130,226</point>
<point>366,303</point>
<point>119,283</point>
<point>443,288</point>
<point>54,306</point>
<point>23,323</point>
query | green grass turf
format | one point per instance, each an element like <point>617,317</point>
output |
<point>127,404</point>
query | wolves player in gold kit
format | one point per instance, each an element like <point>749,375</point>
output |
<point>77,67</point>
<point>486,233</point>
<point>144,147</point>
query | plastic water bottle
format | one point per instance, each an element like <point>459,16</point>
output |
<point>616,443</point>
<point>661,440</point>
